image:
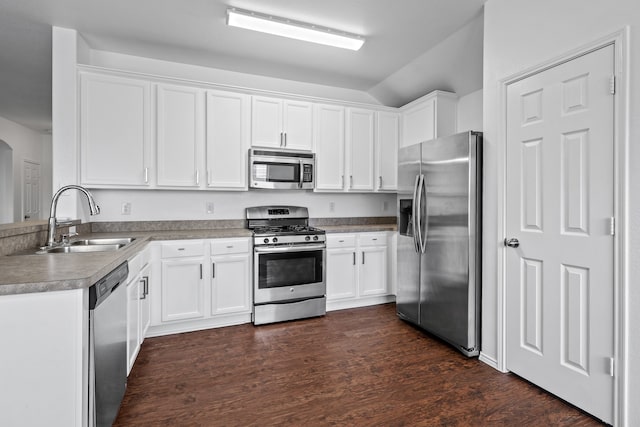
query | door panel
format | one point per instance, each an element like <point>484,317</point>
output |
<point>559,188</point>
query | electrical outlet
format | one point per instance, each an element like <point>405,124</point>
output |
<point>209,207</point>
<point>126,208</point>
<point>385,205</point>
<point>332,207</point>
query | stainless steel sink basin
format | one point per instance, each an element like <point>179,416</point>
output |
<point>108,244</point>
<point>81,249</point>
<point>104,241</point>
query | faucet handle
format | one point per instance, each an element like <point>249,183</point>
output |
<point>64,239</point>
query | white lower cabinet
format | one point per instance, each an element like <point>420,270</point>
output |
<point>203,284</point>
<point>138,305</point>
<point>230,277</point>
<point>357,270</point>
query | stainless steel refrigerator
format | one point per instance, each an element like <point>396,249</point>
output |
<point>439,238</point>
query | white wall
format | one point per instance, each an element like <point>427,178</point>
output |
<point>469,112</point>
<point>158,67</point>
<point>520,34</point>
<point>30,145</point>
<point>157,205</point>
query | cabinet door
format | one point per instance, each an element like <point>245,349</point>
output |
<point>373,271</point>
<point>133,322</point>
<point>228,121</point>
<point>182,289</point>
<point>266,122</point>
<point>419,123</point>
<point>341,273</point>
<point>145,300</point>
<point>330,148</point>
<point>231,284</point>
<point>387,151</point>
<point>180,135</point>
<point>360,143</point>
<point>298,125</point>
<point>115,118</point>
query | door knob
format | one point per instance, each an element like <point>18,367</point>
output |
<point>512,242</point>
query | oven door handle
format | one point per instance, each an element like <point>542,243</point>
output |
<point>299,248</point>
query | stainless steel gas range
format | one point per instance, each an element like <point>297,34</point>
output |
<point>289,264</point>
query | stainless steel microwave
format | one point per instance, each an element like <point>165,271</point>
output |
<point>281,169</point>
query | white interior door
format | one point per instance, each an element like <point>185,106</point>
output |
<point>31,191</point>
<point>560,205</point>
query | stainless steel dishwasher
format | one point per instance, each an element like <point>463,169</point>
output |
<point>107,346</point>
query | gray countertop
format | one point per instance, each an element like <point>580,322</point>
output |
<point>29,273</point>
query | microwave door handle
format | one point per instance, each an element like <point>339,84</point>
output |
<point>300,183</point>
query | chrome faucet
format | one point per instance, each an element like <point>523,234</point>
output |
<point>94,209</point>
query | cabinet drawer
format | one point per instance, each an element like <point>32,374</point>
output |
<point>229,246</point>
<point>373,239</point>
<point>182,249</point>
<point>341,240</point>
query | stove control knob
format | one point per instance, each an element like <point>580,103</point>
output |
<point>274,240</point>
<point>307,238</point>
<point>315,237</point>
<point>266,240</point>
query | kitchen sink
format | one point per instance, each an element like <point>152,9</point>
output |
<point>89,245</point>
<point>80,249</point>
<point>104,241</point>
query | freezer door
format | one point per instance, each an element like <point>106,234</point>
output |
<point>408,257</point>
<point>448,295</point>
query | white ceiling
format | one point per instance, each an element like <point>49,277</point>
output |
<point>397,63</point>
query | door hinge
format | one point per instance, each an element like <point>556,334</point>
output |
<point>612,85</point>
<point>612,228</point>
<point>612,366</point>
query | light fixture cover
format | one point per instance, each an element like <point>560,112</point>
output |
<point>293,29</point>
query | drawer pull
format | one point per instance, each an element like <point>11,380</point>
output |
<point>230,247</point>
<point>341,241</point>
<point>181,249</point>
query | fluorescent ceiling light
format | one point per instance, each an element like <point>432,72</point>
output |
<point>292,29</point>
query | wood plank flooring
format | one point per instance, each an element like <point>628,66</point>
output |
<point>359,367</point>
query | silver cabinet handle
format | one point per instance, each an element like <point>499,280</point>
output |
<point>200,271</point>
<point>380,185</point>
<point>512,242</point>
<point>213,270</point>
<point>281,139</point>
<point>285,139</point>
<point>354,258</point>
<point>350,181</point>
<point>197,176</point>
<point>146,175</point>
<point>362,257</point>
<point>145,287</point>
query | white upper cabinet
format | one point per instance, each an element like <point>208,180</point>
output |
<point>360,149</point>
<point>115,130</point>
<point>281,123</point>
<point>329,147</point>
<point>180,136</point>
<point>228,124</point>
<point>429,117</point>
<point>387,135</point>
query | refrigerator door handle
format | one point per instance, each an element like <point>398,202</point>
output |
<point>424,227</point>
<point>414,207</point>
<point>418,215</point>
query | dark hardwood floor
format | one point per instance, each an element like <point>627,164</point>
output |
<point>359,367</point>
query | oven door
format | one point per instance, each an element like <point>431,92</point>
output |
<point>284,273</point>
